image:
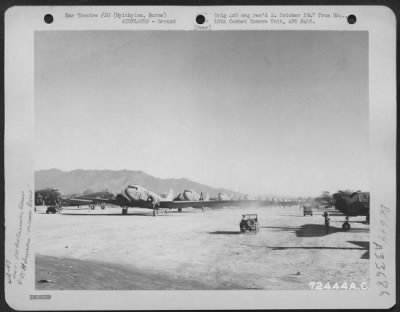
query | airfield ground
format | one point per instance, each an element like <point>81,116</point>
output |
<point>102,249</point>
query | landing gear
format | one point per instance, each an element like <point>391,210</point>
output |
<point>92,206</point>
<point>179,209</point>
<point>346,226</point>
<point>103,206</point>
<point>124,210</point>
<point>156,206</point>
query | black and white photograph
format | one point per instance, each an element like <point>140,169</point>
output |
<point>265,131</point>
<point>222,160</point>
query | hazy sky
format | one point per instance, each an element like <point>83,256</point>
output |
<point>282,112</point>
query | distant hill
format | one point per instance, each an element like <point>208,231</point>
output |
<point>79,181</point>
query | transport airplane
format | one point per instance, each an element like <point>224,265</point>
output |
<point>53,197</point>
<point>352,205</point>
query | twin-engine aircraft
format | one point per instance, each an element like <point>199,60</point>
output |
<point>53,197</point>
<point>223,196</point>
<point>138,196</point>
<point>188,198</point>
<point>48,197</point>
<point>352,205</point>
<point>93,199</point>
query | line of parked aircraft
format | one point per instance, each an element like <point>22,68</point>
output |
<point>138,196</point>
<point>350,204</point>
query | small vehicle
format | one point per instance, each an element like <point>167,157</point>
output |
<point>51,209</point>
<point>249,223</point>
<point>307,210</point>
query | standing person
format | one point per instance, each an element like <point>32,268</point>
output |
<point>326,216</point>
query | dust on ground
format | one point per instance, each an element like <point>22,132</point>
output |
<point>102,249</point>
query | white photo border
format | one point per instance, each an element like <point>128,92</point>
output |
<point>20,25</point>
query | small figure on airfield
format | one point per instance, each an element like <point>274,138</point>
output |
<point>326,216</point>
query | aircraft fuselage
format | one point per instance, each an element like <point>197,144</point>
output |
<point>356,204</point>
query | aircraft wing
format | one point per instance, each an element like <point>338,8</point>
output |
<point>98,200</point>
<point>212,203</point>
<point>92,201</point>
<point>196,204</point>
<point>335,213</point>
<point>98,197</point>
<point>78,200</point>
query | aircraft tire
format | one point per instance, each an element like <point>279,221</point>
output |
<point>124,211</point>
<point>346,226</point>
<point>251,222</point>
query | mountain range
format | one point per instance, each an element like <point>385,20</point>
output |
<point>87,181</point>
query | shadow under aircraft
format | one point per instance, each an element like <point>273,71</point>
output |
<point>356,245</point>
<point>310,230</point>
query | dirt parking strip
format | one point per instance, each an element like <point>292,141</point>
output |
<point>101,249</point>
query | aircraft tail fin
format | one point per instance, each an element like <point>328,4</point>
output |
<point>204,196</point>
<point>170,195</point>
